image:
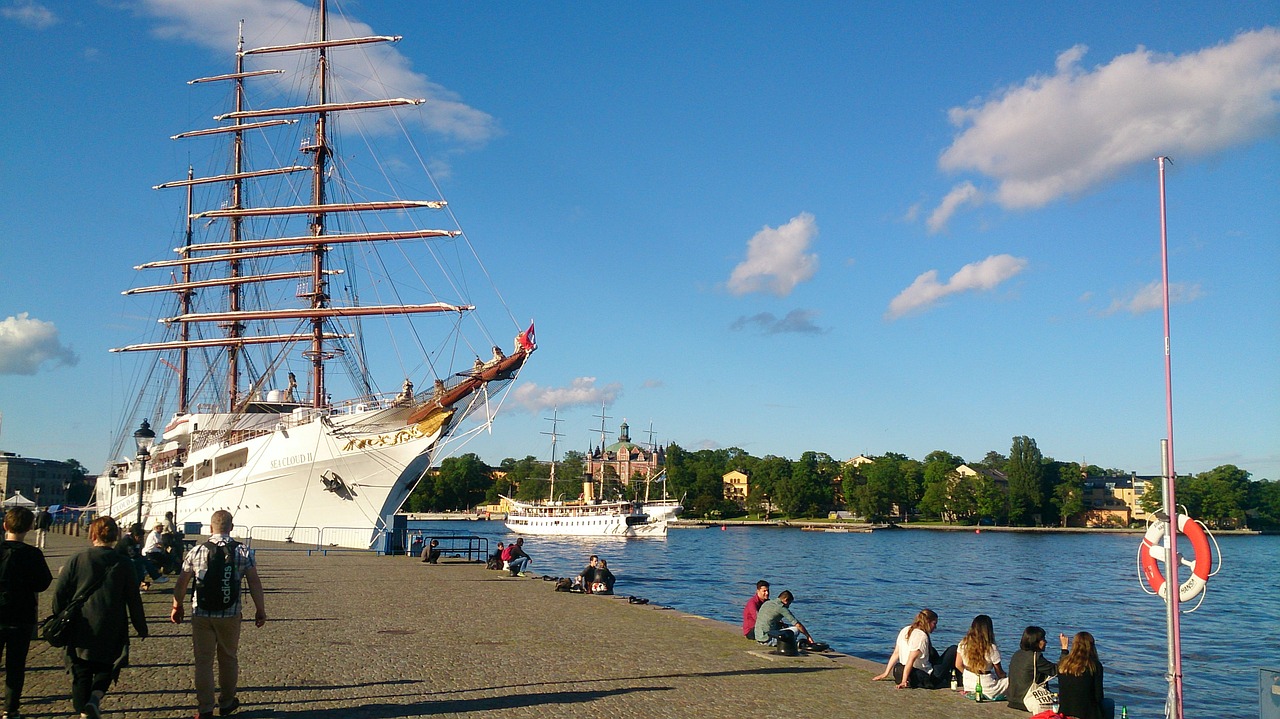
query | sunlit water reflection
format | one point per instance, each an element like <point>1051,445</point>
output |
<point>855,591</point>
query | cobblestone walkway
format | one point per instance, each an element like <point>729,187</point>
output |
<point>358,636</point>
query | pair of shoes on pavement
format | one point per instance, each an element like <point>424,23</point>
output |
<point>223,710</point>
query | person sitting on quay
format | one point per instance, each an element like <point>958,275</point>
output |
<point>914,662</point>
<point>495,559</point>
<point>603,580</point>
<point>130,545</point>
<point>1028,665</point>
<point>517,559</point>
<point>154,549</point>
<point>587,576</point>
<point>978,659</point>
<point>1080,692</point>
<point>431,555</point>
<point>776,624</point>
<point>752,608</point>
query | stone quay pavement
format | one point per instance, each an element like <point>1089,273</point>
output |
<point>355,635</point>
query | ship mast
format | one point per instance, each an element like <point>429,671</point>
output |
<point>321,149</point>
<point>184,304</point>
<point>554,419</point>
<point>235,328</point>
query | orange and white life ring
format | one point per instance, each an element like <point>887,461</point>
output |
<point>1154,551</point>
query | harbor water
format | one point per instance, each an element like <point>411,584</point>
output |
<point>856,590</point>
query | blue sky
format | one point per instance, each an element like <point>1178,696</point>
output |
<point>843,227</point>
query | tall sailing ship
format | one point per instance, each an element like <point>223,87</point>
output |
<point>264,327</point>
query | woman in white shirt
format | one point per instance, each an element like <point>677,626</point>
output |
<point>978,658</point>
<point>914,662</point>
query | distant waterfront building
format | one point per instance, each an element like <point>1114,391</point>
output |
<point>737,485</point>
<point>43,481</point>
<point>859,460</point>
<point>995,475</point>
<point>624,460</point>
<point>1115,501</point>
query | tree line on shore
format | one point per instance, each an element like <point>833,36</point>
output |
<point>1022,488</point>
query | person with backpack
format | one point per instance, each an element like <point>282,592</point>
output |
<point>217,566</point>
<point>23,575</point>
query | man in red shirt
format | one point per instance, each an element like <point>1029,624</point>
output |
<point>753,607</point>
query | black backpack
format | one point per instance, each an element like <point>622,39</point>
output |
<point>220,588</point>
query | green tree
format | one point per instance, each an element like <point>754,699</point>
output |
<point>939,479</point>
<point>1223,492</point>
<point>699,476</point>
<point>1068,495</point>
<point>1026,474</point>
<point>766,475</point>
<point>852,481</point>
<point>876,497</point>
<point>461,482</point>
<point>995,460</point>
<point>808,491</point>
<point>1264,497</point>
<point>80,493</point>
<point>990,500</point>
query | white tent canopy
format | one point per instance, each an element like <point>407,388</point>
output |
<point>17,500</point>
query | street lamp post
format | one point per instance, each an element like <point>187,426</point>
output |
<point>178,490</point>
<point>144,437</point>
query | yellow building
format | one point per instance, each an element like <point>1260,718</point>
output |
<point>737,486</point>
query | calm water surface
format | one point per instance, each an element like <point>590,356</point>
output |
<point>855,591</point>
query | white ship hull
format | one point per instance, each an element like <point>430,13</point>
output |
<point>663,509</point>
<point>319,479</point>
<point>609,520</point>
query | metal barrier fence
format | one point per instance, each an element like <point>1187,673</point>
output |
<point>452,545</point>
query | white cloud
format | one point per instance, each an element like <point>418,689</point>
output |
<point>798,321</point>
<point>1151,297</point>
<point>30,13</point>
<point>362,72</point>
<point>963,194</point>
<point>926,290</point>
<point>777,259</point>
<point>1065,133</point>
<point>581,392</point>
<point>26,344</point>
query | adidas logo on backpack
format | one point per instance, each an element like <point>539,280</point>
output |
<point>220,588</point>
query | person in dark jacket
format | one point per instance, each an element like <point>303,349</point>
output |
<point>603,580</point>
<point>99,647</point>
<point>1080,682</point>
<point>130,546</point>
<point>1028,665</point>
<point>44,521</point>
<point>23,575</point>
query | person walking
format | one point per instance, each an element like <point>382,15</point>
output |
<point>217,566</point>
<point>23,575</point>
<point>99,646</point>
<point>44,520</point>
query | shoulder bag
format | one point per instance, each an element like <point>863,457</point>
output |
<point>1038,697</point>
<point>59,629</point>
